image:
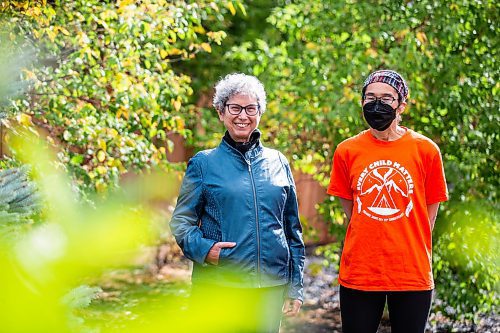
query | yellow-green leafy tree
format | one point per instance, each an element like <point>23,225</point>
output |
<point>102,82</point>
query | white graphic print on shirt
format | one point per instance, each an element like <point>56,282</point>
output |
<point>378,185</point>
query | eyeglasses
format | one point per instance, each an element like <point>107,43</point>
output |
<point>250,110</point>
<point>383,99</point>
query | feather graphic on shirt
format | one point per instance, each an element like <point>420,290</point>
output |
<point>409,208</point>
<point>359,204</point>
<point>384,178</point>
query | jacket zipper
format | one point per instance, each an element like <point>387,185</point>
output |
<point>256,220</point>
<point>256,212</point>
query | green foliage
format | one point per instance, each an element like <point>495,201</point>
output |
<point>18,198</point>
<point>126,293</point>
<point>331,252</point>
<point>19,202</point>
<point>81,296</point>
<point>104,87</point>
<point>11,84</point>
<point>79,241</point>
<point>467,260</point>
<point>20,5</point>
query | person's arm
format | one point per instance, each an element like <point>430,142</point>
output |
<point>293,232</point>
<point>432,211</point>
<point>347,206</point>
<point>184,223</point>
<point>340,182</point>
<point>435,187</point>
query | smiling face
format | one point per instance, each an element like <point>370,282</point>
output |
<point>240,126</point>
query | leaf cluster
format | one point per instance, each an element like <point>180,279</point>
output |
<point>103,85</point>
<point>19,200</point>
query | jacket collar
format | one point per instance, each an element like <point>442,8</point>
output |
<point>243,147</point>
<point>251,154</point>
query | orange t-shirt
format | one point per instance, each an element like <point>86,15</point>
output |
<point>389,237</point>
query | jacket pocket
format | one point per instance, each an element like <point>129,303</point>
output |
<point>224,255</point>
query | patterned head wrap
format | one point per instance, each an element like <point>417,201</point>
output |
<point>391,78</point>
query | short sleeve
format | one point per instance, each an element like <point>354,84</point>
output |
<point>435,181</point>
<point>339,178</point>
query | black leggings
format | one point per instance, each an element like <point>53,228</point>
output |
<point>361,311</point>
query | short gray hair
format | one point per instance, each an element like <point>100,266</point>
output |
<point>239,83</point>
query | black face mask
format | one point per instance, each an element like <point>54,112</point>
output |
<point>379,115</point>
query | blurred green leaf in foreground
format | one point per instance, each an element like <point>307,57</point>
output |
<point>80,240</point>
<point>77,240</point>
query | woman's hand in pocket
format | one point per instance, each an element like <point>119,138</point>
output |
<point>214,253</point>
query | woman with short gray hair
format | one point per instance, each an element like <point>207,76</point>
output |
<point>237,217</point>
<point>239,83</point>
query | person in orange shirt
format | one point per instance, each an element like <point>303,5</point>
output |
<point>390,181</point>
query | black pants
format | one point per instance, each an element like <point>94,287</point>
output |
<point>361,311</point>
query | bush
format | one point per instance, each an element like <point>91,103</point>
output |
<point>466,260</point>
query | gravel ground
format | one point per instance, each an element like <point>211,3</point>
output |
<point>321,310</point>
